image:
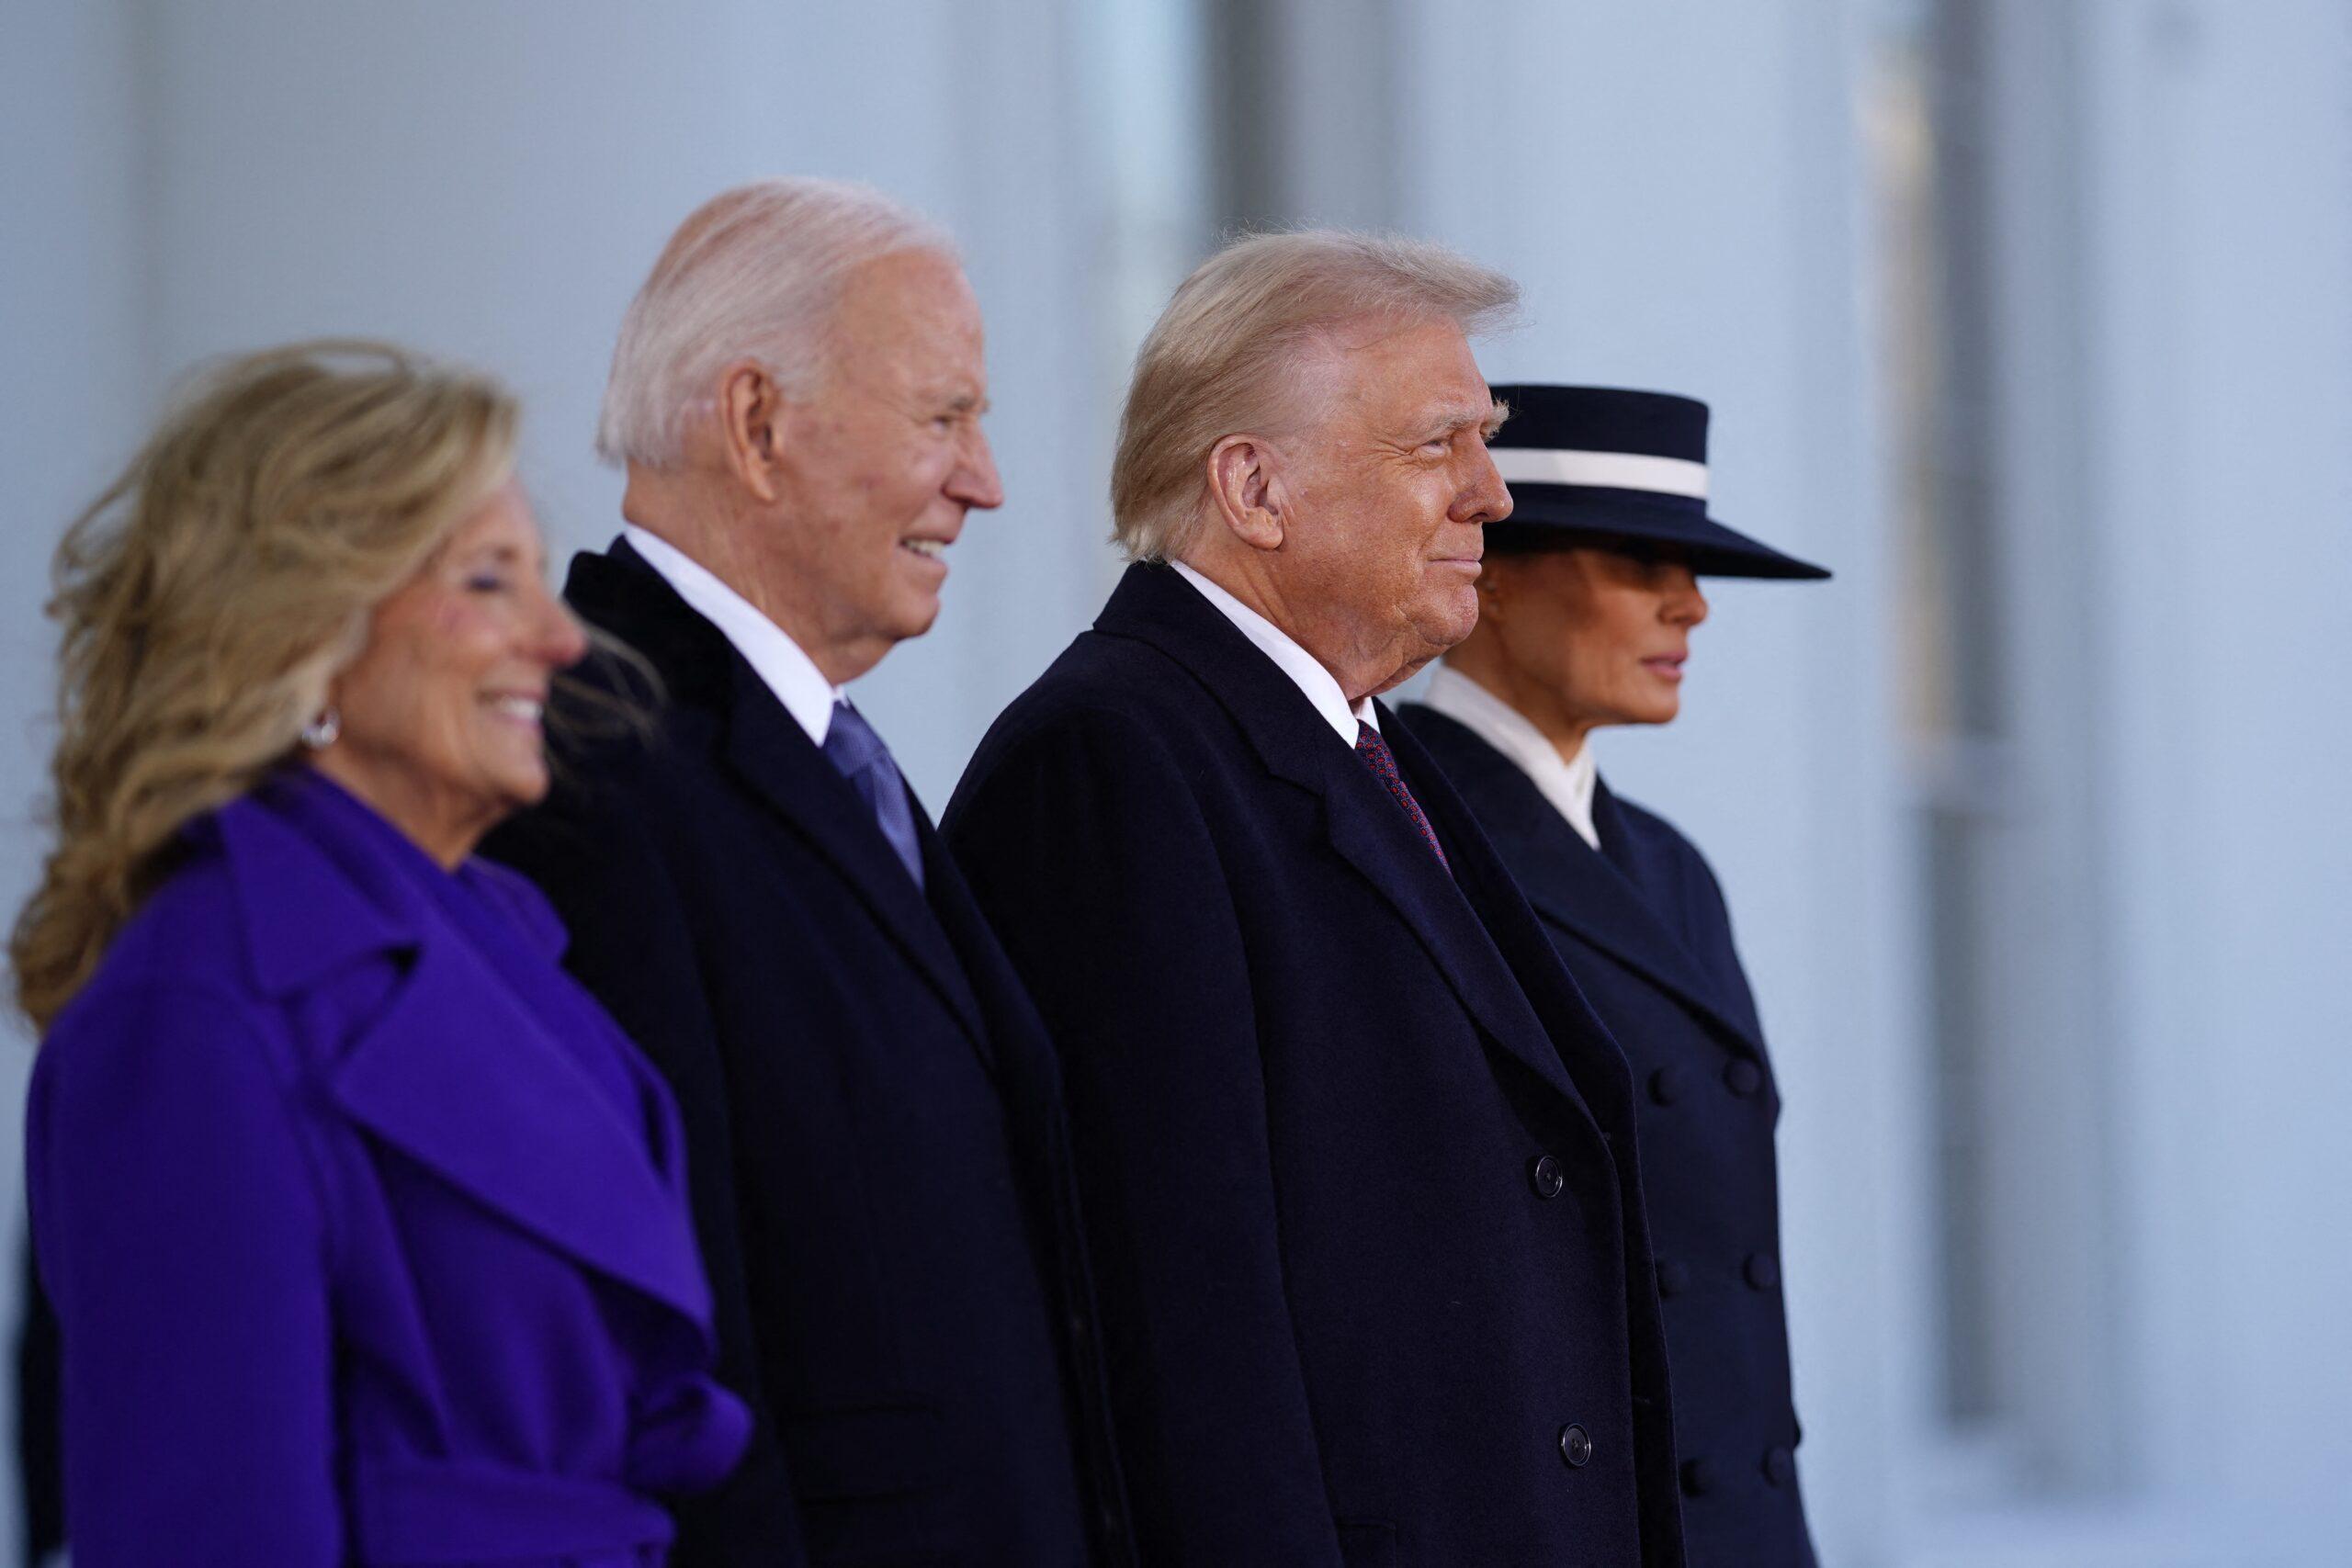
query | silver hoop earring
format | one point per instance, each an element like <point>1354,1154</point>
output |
<point>322,731</point>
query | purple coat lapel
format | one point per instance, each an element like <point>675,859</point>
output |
<point>453,1069</point>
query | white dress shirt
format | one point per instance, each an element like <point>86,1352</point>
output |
<point>1568,784</point>
<point>791,674</point>
<point>1306,673</point>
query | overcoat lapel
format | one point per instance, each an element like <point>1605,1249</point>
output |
<point>1014,1033</point>
<point>775,761</point>
<point>1569,883</point>
<point>1365,827</point>
<point>452,1071</point>
<point>459,1076</point>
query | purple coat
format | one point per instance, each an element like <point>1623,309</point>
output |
<point>366,1227</point>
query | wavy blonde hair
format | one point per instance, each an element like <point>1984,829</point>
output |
<point>213,591</point>
<point>1226,356</point>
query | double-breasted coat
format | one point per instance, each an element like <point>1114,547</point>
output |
<point>1641,924</point>
<point>367,1230</point>
<point>1356,1159</point>
<point>883,1186</point>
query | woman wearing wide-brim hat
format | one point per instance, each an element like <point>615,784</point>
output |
<point>1587,606</point>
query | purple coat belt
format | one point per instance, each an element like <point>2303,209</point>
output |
<point>366,1227</point>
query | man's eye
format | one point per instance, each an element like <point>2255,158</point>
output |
<point>486,582</point>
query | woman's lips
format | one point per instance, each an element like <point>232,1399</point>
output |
<point>1665,667</point>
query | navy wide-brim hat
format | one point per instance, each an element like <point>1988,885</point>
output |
<point>1603,466</point>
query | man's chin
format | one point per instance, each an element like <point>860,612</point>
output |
<point>1451,618</point>
<point>917,616</point>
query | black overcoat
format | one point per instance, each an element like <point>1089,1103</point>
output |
<point>1641,925</point>
<point>1357,1161</point>
<point>880,1170</point>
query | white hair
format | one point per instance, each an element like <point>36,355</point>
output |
<point>754,274</point>
<point>1225,357</point>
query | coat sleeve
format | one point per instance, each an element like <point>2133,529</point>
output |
<point>632,946</point>
<point>182,1237</point>
<point>1097,868</point>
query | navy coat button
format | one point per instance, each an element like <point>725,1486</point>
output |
<point>1701,1476</point>
<point>1763,1271</point>
<point>1667,1085</point>
<point>1744,1077</point>
<point>1779,1466</point>
<point>1673,1277</point>
<point>1545,1176</point>
<point>1575,1445</point>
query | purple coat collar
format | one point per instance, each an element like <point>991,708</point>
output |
<point>456,1068</point>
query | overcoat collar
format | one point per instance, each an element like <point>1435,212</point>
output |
<point>453,1069</point>
<point>1573,886</point>
<point>1154,605</point>
<point>774,759</point>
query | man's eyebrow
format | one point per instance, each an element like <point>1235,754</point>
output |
<point>1495,416</point>
<point>1463,416</point>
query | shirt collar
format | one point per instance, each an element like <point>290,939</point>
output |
<point>1320,686</point>
<point>778,660</point>
<point>1568,784</point>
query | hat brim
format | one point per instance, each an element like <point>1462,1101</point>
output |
<point>1709,549</point>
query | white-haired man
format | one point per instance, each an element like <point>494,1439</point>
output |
<point>879,1158</point>
<point>1357,1160</point>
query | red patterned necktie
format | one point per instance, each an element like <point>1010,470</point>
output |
<point>1383,763</point>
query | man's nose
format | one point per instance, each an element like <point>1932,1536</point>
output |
<point>1485,499</point>
<point>975,481</point>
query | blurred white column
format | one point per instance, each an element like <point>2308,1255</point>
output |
<point>73,326</point>
<point>2219,219</point>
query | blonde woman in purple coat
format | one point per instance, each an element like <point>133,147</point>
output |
<point>366,1227</point>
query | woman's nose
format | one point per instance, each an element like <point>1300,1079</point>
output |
<point>1685,605</point>
<point>564,642</point>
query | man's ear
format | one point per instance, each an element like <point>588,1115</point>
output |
<point>750,427</point>
<point>1248,491</point>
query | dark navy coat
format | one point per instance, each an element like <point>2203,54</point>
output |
<point>882,1179</point>
<point>1356,1159</point>
<point>1641,925</point>
<point>368,1231</point>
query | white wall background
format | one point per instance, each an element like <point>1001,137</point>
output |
<point>1684,189</point>
<point>72,389</point>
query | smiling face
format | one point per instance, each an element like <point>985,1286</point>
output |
<point>441,713</point>
<point>876,470</point>
<point>1582,637</point>
<point>1385,500</point>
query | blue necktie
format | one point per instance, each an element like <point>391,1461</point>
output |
<point>852,746</point>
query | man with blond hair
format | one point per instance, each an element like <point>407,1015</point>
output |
<point>1357,1160</point>
<point>879,1165</point>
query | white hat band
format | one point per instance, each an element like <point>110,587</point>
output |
<point>1613,470</point>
